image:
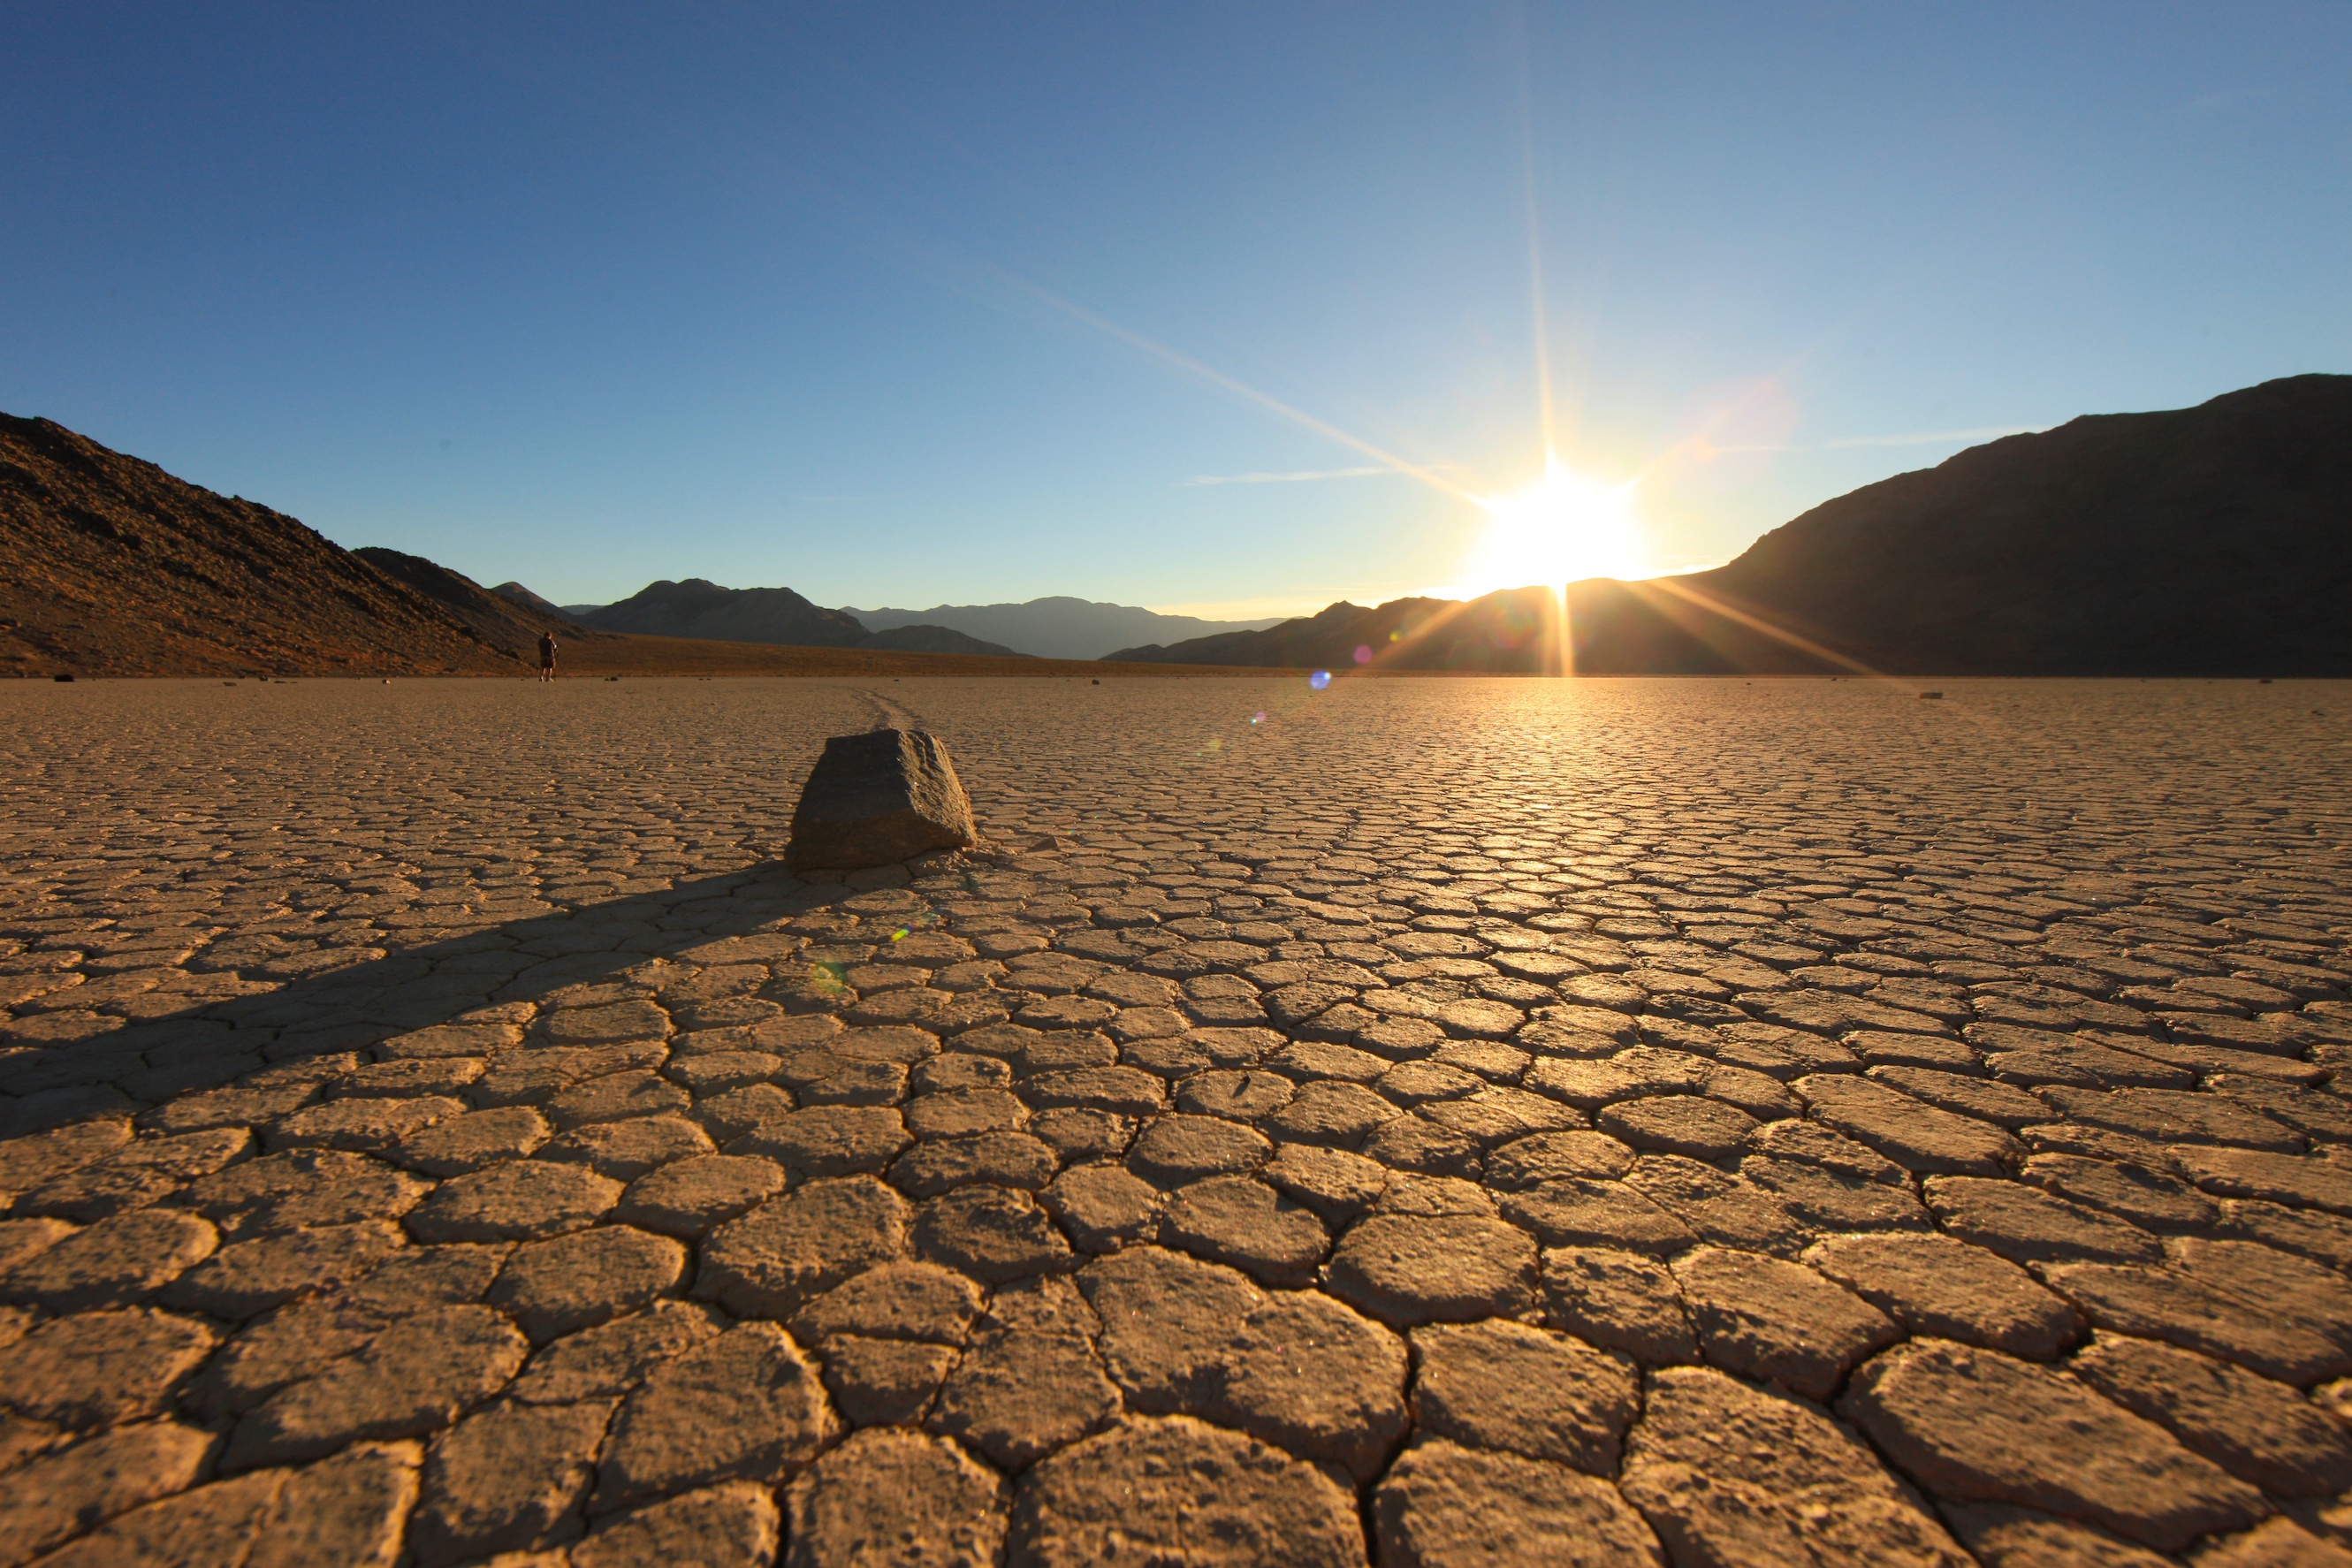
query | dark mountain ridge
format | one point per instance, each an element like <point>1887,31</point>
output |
<point>700,608</point>
<point>496,618</point>
<point>2208,540</point>
<point>1614,629</point>
<point>516,593</point>
<point>109,565</point>
<point>1059,626</point>
<point>2212,539</point>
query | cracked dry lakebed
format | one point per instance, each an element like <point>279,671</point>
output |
<point>1425,1122</point>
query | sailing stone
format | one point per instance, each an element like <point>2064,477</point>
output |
<point>878,799</point>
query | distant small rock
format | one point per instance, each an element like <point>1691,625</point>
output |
<point>879,798</point>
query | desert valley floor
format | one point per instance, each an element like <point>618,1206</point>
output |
<point>1426,1121</point>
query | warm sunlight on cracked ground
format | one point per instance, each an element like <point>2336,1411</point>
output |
<point>1443,1120</point>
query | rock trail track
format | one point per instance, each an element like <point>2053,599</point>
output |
<point>1423,1122</point>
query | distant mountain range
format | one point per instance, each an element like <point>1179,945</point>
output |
<point>110,566</point>
<point>702,609</point>
<point>1057,628</point>
<point>2208,540</point>
<point>1060,627</point>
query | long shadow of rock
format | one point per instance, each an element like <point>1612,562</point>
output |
<point>496,974</point>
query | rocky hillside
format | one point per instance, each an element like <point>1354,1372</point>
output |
<point>110,566</point>
<point>544,608</point>
<point>2208,540</point>
<point>494,617</point>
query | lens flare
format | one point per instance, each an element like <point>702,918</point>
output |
<point>1318,681</point>
<point>1561,529</point>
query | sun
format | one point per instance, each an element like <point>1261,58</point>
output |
<point>1560,530</point>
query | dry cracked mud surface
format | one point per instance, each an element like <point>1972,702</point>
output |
<point>1423,1122</point>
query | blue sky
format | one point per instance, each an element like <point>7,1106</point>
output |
<point>902,305</point>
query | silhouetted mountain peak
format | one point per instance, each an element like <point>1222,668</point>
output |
<point>697,607</point>
<point>496,618</point>
<point>2203,539</point>
<point>1057,627</point>
<point>531,601</point>
<point>2206,541</point>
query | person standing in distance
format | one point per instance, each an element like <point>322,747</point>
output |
<point>547,656</point>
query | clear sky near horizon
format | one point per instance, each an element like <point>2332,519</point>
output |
<point>900,305</point>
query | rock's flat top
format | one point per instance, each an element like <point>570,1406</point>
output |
<point>1610,1121</point>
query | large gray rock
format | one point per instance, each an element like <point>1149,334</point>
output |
<point>879,798</point>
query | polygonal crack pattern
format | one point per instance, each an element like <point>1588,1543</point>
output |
<point>1425,1120</point>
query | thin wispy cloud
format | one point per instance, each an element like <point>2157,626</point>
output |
<point>1907,438</point>
<point>1305,476</point>
<point>1191,366</point>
